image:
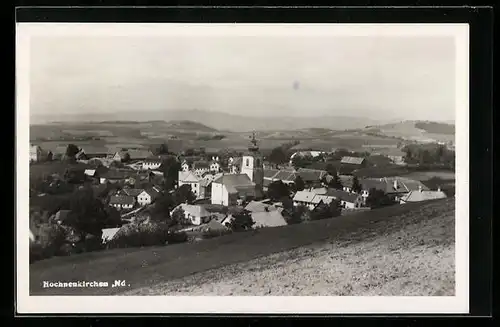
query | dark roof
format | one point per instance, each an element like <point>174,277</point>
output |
<point>342,195</point>
<point>119,174</point>
<point>311,175</point>
<point>153,193</point>
<point>133,191</point>
<point>201,164</point>
<point>121,199</point>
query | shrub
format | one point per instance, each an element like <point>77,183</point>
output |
<point>133,235</point>
<point>50,240</point>
<point>211,233</point>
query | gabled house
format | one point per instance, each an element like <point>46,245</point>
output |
<point>196,214</point>
<point>347,200</point>
<point>185,166</point>
<point>191,179</point>
<point>148,196</point>
<point>214,166</point>
<point>90,151</point>
<point>201,167</point>
<point>304,198</point>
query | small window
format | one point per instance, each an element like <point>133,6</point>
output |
<point>248,162</point>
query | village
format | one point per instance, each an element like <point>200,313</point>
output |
<point>215,195</point>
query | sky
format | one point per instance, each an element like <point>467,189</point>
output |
<point>394,77</point>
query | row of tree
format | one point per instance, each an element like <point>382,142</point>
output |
<point>429,155</point>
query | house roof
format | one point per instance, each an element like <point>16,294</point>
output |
<point>193,210</point>
<point>352,160</point>
<point>133,191</point>
<point>346,180</point>
<point>60,149</point>
<point>188,176</point>
<point>139,154</point>
<point>319,190</point>
<point>201,164</point>
<point>122,199</point>
<point>311,175</point>
<point>258,206</point>
<point>304,196</point>
<point>322,197</point>
<point>90,172</point>
<point>109,233</point>
<point>119,174</point>
<point>270,173</point>
<point>153,159</point>
<point>342,195</point>
<point>235,182</point>
<point>268,219</point>
<point>237,161</point>
<point>154,194</point>
<point>285,175</point>
<point>416,196</point>
<point>215,225</point>
<point>208,179</point>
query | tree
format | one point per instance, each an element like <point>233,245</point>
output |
<point>71,151</point>
<point>158,149</point>
<point>241,221</point>
<point>356,186</point>
<point>170,168</point>
<point>378,199</point>
<point>178,217</point>
<point>335,182</point>
<point>299,161</point>
<point>331,170</point>
<point>277,190</point>
<point>301,213</point>
<point>87,215</point>
<point>278,156</point>
<point>126,157</point>
<point>324,211</point>
<point>299,184</point>
<point>184,194</point>
<point>160,210</point>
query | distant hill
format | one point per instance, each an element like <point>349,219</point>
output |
<point>219,120</point>
<point>188,125</point>
<point>415,130</point>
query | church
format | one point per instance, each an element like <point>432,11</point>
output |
<point>230,189</point>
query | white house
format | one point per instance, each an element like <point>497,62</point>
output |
<point>190,179</point>
<point>122,202</point>
<point>185,166</point>
<point>151,163</point>
<point>37,153</point>
<point>227,189</point>
<point>201,167</point>
<point>347,200</point>
<point>148,196</point>
<point>214,166</point>
<point>304,198</point>
<point>196,214</point>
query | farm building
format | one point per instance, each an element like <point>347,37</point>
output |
<point>417,196</point>
<point>122,202</point>
<point>357,161</point>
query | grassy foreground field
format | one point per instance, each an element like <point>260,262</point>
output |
<point>408,249</point>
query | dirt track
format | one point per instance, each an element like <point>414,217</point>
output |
<point>416,258</point>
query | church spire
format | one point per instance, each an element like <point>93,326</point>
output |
<point>253,147</point>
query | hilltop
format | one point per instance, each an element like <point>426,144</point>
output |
<point>418,238</point>
<point>415,130</point>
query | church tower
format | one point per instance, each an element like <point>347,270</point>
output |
<point>252,164</point>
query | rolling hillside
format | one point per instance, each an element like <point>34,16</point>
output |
<point>218,120</point>
<point>423,131</point>
<point>399,235</point>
